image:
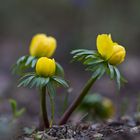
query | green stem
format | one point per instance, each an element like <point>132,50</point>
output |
<point>43,107</point>
<point>52,109</point>
<point>77,101</point>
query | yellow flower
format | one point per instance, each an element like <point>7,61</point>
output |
<point>45,67</point>
<point>42,46</point>
<point>109,109</point>
<point>109,50</point>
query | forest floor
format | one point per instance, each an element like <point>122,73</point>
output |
<point>121,129</point>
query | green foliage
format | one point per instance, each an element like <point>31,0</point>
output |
<point>24,63</point>
<point>82,54</point>
<point>96,64</point>
<point>59,70</point>
<point>60,81</point>
<point>28,131</point>
<point>65,104</point>
<point>16,112</point>
<point>33,80</point>
<point>90,101</point>
<point>51,89</point>
<point>124,106</point>
<point>97,106</point>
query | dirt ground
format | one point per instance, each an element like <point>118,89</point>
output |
<point>121,129</point>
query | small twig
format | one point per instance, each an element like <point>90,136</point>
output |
<point>83,117</point>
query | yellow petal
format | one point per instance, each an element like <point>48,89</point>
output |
<point>105,45</point>
<point>51,46</point>
<point>38,43</point>
<point>118,55</point>
<point>52,67</point>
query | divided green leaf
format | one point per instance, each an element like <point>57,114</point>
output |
<point>118,77</point>
<point>97,73</point>
<point>60,81</point>
<point>81,54</point>
<point>111,71</point>
<point>29,60</point>
<point>51,89</point>
<point>59,70</point>
<point>24,63</point>
<point>33,80</point>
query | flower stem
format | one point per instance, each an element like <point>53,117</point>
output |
<point>77,101</point>
<point>43,107</point>
<point>52,109</point>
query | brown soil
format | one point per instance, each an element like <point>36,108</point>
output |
<point>121,129</point>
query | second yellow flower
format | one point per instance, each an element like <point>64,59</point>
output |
<point>109,50</point>
<point>42,46</point>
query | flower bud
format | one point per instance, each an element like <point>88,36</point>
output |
<point>108,108</point>
<point>42,46</point>
<point>45,67</point>
<point>118,55</point>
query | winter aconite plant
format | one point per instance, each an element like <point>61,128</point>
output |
<point>97,106</point>
<point>46,74</point>
<point>44,78</point>
<point>105,60</point>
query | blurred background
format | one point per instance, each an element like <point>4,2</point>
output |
<point>75,24</point>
